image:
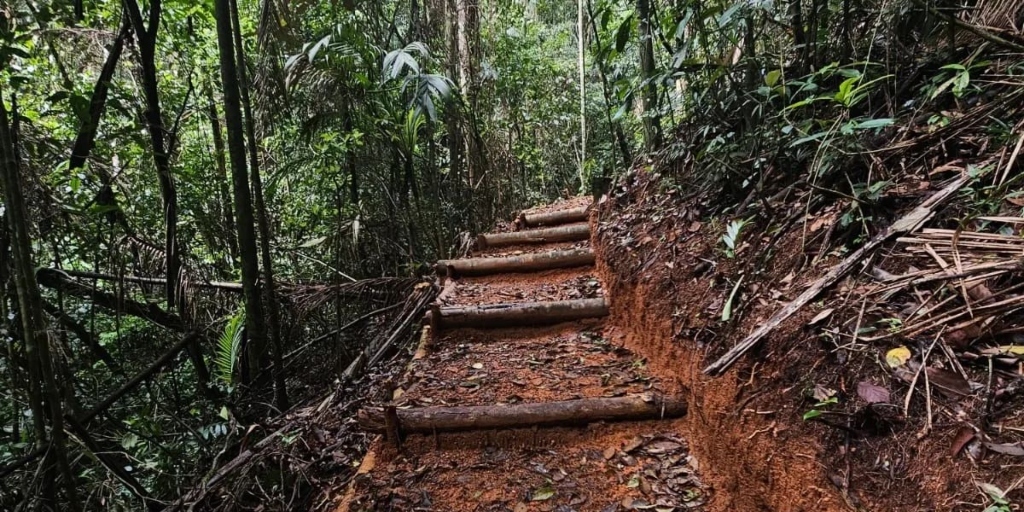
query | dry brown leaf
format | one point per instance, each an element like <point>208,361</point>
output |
<point>872,393</point>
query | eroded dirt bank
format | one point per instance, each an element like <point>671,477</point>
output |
<point>753,456</point>
<point>669,283</point>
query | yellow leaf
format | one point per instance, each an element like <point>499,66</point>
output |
<point>897,356</point>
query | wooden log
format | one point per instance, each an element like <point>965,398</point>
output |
<point>512,264</point>
<point>566,233</point>
<point>648,406</point>
<point>530,220</point>
<point>517,314</point>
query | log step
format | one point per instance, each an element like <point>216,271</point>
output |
<point>566,233</point>
<point>648,406</point>
<point>517,314</point>
<point>531,220</point>
<point>512,264</point>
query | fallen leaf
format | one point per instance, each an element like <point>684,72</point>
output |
<point>1015,449</point>
<point>963,437</point>
<point>609,453</point>
<point>478,366</point>
<point>1017,350</point>
<point>543,493</point>
<point>635,443</point>
<point>521,507</point>
<point>871,393</point>
<point>821,393</point>
<point>898,356</point>
<point>821,316</point>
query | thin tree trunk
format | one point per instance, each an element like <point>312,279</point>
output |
<point>263,223</point>
<point>652,117</point>
<point>86,138</point>
<point>37,340</point>
<point>222,175</point>
<point>146,38</point>
<point>248,253</point>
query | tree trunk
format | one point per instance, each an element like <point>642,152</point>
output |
<point>522,314</point>
<point>262,220</point>
<point>525,263</point>
<point>566,233</point>
<point>248,254</point>
<point>146,38</point>
<point>86,138</point>
<point>37,339</point>
<point>222,175</point>
<point>427,420</point>
<point>651,114</point>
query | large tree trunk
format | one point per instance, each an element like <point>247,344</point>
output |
<point>37,339</point>
<point>248,253</point>
<point>86,138</point>
<point>652,117</point>
<point>428,420</point>
<point>262,220</point>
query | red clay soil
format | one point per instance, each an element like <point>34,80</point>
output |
<point>602,467</point>
<point>669,280</point>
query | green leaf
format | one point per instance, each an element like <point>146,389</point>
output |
<point>874,123</point>
<point>772,77</point>
<point>543,493</point>
<point>228,347</point>
<point>622,34</point>
<point>811,414</point>
<point>727,309</point>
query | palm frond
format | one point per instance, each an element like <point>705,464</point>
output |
<point>228,347</point>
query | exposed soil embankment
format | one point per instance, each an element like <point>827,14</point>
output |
<point>797,424</point>
<point>741,425</point>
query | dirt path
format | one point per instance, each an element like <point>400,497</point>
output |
<point>601,466</point>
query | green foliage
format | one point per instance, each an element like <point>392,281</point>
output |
<point>732,237</point>
<point>229,346</point>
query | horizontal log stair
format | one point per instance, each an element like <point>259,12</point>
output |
<point>517,314</point>
<point>649,406</point>
<point>474,267</point>
<point>568,233</point>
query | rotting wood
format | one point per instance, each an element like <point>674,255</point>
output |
<point>529,220</point>
<point>518,314</point>
<point>648,406</point>
<point>905,224</point>
<point>512,264</point>
<point>566,233</point>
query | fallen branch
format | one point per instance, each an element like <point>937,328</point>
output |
<point>905,224</point>
<point>544,414</point>
<point>511,264</point>
<point>60,280</point>
<point>216,285</point>
<point>529,220</point>
<point>519,314</point>
<point>566,233</point>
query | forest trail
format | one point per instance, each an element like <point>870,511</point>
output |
<point>519,346</point>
